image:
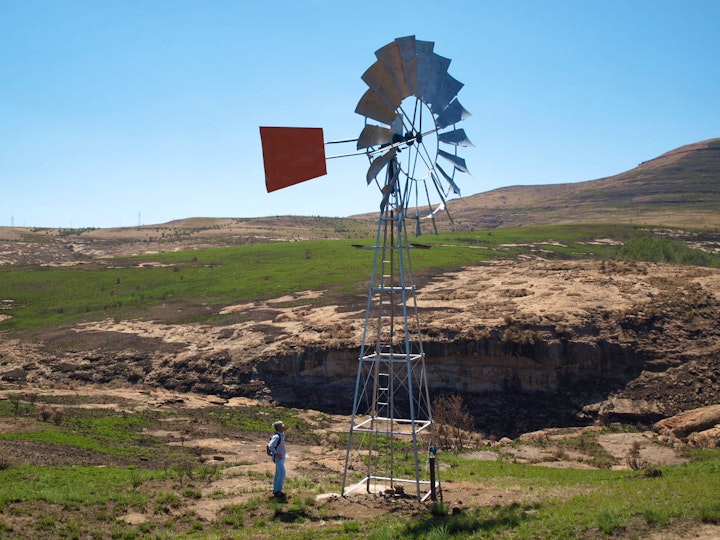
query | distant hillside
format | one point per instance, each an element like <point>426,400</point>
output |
<point>26,245</point>
<point>680,188</point>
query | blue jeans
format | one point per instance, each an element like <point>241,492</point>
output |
<point>279,475</point>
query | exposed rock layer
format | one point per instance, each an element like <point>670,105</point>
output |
<point>528,344</point>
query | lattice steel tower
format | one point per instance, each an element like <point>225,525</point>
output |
<point>391,416</point>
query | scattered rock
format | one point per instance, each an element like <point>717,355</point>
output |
<point>690,422</point>
<point>709,438</point>
<point>630,411</point>
<point>17,375</point>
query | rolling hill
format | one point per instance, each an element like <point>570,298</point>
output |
<point>679,188</point>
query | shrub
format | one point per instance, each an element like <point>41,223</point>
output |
<point>191,493</point>
<point>453,421</point>
<point>438,508</point>
<point>633,459</point>
<point>165,501</point>
<point>609,520</point>
<point>234,515</point>
<point>45,414</point>
<point>710,512</point>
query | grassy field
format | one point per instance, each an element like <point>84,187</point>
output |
<point>602,499</point>
<point>81,501</point>
<point>42,297</point>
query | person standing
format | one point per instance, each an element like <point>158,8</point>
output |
<point>277,447</point>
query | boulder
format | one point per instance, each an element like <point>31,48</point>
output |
<point>629,411</point>
<point>710,438</point>
<point>688,422</point>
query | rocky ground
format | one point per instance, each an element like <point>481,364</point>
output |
<point>591,340</point>
<point>597,340</point>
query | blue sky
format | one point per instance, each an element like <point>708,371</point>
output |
<point>119,112</point>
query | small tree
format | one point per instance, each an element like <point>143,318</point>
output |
<point>453,422</point>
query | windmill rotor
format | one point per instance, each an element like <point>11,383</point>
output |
<point>411,114</point>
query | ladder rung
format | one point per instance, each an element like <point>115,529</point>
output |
<point>382,288</point>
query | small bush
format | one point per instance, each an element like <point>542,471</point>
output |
<point>191,493</point>
<point>234,515</point>
<point>45,414</point>
<point>610,520</point>
<point>438,508</point>
<point>655,518</point>
<point>165,501</point>
<point>633,459</point>
<point>58,417</point>
<point>46,523</point>
<point>253,504</point>
<point>207,473</point>
<point>453,421</point>
<point>218,493</point>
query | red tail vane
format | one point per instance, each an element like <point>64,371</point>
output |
<point>292,155</point>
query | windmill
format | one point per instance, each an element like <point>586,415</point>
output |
<point>410,110</point>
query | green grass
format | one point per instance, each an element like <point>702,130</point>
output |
<point>74,488</point>
<point>44,297</point>
<point>564,503</point>
<point>124,434</point>
<point>546,502</point>
<point>98,430</point>
<point>665,250</point>
<point>250,418</point>
<point>196,283</point>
